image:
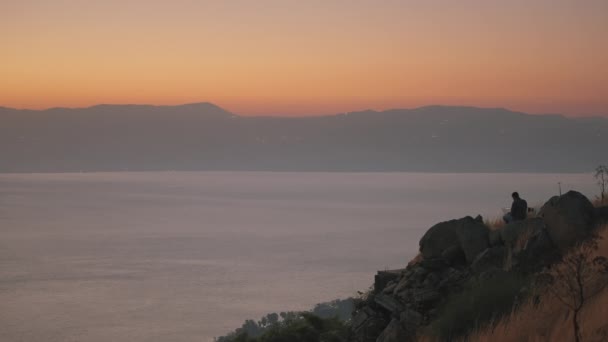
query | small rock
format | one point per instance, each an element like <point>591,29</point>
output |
<point>450,277</point>
<point>404,283</point>
<point>426,295</point>
<point>389,303</point>
<point>390,287</point>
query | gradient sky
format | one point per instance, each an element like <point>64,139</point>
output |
<point>307,57</point>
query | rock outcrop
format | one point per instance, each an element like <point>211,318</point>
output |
<point>452,239</point>
<point>569,218</point>
<point>454,252</point>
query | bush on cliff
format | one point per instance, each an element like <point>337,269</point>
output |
<point>305,327</point>
<point>546,318</point>
<point>327,319</point>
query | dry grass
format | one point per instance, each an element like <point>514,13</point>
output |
<point>550,320</point>
<point>495,223</point>
<point>522,240</point>
<point>498,222</point>
<point>597,202</point>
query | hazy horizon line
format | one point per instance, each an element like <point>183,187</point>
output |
<point>304,115</point>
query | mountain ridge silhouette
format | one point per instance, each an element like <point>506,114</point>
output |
<point>203,136</point>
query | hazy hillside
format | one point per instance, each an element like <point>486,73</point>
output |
<point>205,137</point>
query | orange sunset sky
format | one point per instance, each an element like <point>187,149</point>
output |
<point>307,57</point>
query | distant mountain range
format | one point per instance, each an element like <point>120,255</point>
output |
<point>202,136</point>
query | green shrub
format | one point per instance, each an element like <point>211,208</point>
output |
<point>327,319</point>
<point>306,327</point>
<point>481,302</point>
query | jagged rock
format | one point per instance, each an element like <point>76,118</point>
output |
<point>404,295</point>
<point>382,278</point>
<point>520,231</point>
<point>419,272</point>
<point>394,332</point>
<point>431,280</point>
<point>491,257</point>
<point>424,296</point>
<point>403,284</point>
<point>369,325</point>
<point>389,303</point>
<point>569,218</point>
<point>469,235</point>
<point>452,279</point>
<point>390,287</point>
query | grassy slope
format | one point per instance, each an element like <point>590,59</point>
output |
<point>550,320</point>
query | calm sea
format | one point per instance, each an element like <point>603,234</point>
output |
<point>180,256</point>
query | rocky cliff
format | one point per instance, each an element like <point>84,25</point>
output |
<point>406,303</point>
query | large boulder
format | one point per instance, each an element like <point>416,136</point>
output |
<point>466,234</point>
<point>568,218</point>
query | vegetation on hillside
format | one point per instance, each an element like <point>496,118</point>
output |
<point>481,302</point>
<point>545,317</point>
<point>325,322</point>
<point>302,327</point>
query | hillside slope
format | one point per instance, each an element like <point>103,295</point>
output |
<point>550,320</point>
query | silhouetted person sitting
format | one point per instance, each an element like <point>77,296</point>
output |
<point>519,209</point>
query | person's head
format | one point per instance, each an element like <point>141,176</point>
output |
<point>515,195</point>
